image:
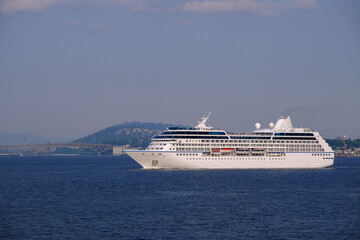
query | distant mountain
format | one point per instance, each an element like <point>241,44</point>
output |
<point>136,134</point>
<point>21,138</point>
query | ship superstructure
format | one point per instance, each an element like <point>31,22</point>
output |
<point>202,147</point>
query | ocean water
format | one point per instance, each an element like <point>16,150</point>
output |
<point>92,197</point>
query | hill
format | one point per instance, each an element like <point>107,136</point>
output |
<point>136,134</point>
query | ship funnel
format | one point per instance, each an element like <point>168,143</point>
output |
<point>284,122</point>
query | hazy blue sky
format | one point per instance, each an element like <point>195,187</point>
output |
<point>71,67</point>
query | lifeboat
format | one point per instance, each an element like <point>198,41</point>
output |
<point>206,153</point>
<point>215,150</point>
<point>227,149</point>
<point>242,149</point>
<point>258,149</point>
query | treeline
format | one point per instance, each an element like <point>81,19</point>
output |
<point>136,134</point>
<point>339,144</point>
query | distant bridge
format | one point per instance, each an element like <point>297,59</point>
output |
<point>34,149</point>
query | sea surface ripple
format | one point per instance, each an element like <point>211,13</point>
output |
<point>107,197</point>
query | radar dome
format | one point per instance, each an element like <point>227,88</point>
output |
<point>257,125</point>
<point>271,125</point>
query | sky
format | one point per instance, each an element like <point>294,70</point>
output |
<point>72,67</point>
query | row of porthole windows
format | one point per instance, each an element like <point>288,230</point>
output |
<point>221,158</point>
<point>253,145</point>
<point>250,141</point>
<point>321,154</point>
<point>240,144</point>
<point>289,149</point>
<point>246,145</point>
<point>186,154</point>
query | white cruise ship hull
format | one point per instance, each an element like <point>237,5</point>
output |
<point>172,160</point>
<point>202,147</point>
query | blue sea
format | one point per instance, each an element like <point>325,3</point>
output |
<point>108,197</point>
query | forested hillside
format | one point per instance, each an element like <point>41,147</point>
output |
<point>136,134</point>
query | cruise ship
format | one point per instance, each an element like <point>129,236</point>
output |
<point>202,147</point>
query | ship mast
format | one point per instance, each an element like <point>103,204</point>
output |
<point>202,123</point>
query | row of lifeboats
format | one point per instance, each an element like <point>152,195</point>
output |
<point>218,150</point>
<point>238,151</point>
